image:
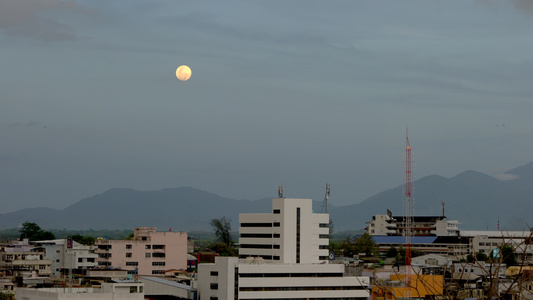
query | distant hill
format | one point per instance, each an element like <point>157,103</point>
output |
<point>477,200</point>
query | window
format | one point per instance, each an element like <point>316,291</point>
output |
<point>128,246</point>
<point>256,224</point>
<point>158,254</point>
<point>256,246</point>
<point>128,254</point>
<point>275,257</point>
<point>323,236</point>
<point>276,235</point>
<point>155,272</point>
<point>158,263</point>
<point>213,298</point>
<point>147,247</point>
<point>90,259</point>
<point>42,267</point>
<point>276,224</point>
<point>214,273</point>
<point>158,247</point>
<point>277,211</point>
<point>58,251</point>
<point>276,246</point>
<point>214,286</point>
<point>148,255</point>
<point>80,259</point>
<point>256,235</point>
<point>132,263</point>
<point>144,238</point>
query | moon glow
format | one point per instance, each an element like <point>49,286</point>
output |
<point>183,73</point>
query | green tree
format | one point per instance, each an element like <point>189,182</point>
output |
<point>392,252</point>
<point>508,255</point>
<point>84,240</point>
<point>224,242</point>
<point>480,256</point>
<point>77,237</point>
<point>222,229</point>
<point>6,296</point>
<point>33,232</point>
<point>87,240</point>
<point>365,244</point>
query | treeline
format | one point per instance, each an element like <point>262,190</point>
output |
<point>15,233</point>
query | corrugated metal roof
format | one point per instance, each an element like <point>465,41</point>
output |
<point>169,282</point>
<point>401,239</point>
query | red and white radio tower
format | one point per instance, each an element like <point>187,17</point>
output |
<point>408,207</point>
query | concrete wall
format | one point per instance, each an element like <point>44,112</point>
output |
<point>140,250</point>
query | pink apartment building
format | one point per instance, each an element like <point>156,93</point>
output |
<point>149,251</point>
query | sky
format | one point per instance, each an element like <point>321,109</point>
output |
<point>295,93</point>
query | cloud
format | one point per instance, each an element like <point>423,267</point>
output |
<point>27,18</point>
<point>18,124</point>
<point>526,5</point>
<point>505,176</point>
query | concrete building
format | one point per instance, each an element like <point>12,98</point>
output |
<point>66,254</point>
<point>432,260</point>
<point>421,225</point>
<point>149,252</point>
<point>479,269</point>
<point>283,255</point>
<point>157,286</point>
<point>19,258</point>
<point>487,241</point>
<point>447,245</point>
<point>292,233</point>
<point>108,291</point>
<point>234,278</point>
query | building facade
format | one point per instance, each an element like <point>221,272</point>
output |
<point>291,233</point>
<point>149,252</point>
<point>283,255</point>
<point>19,258</point>
<point>421,225</point>
<point>68,254</point>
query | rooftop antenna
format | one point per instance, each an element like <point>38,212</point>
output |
<point>324,208</point>
<point>280,191</point>
<point>443,209</point>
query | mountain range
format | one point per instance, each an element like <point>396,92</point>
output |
<point>478,201</point>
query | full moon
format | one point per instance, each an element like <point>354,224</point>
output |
<point>183,73</point>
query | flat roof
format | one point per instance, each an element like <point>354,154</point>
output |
<point>383,239</point>
<point>168,282</point>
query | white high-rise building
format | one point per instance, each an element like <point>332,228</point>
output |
<point>283,255</point>
<point>291,234</point>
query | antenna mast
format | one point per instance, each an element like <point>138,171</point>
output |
<point>280,191</point>
<point>408,202</point>
<point>324,208</point>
